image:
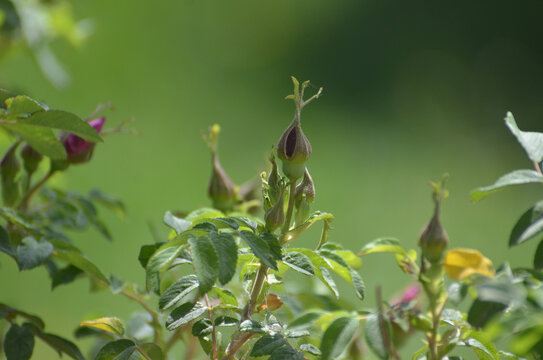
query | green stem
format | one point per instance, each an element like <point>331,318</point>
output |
<point>290,210</point>
<point>28,196</point>
<point>213,333</point>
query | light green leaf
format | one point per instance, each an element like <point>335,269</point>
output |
<point>110,324</point>
<point>517,177</point>
<point>305,320</point>
<point>227,298</point>
<point>382,245</point>
<point>178,224</point>
<point>152,351</point>
<point>81,262</point>
<point>22,104</point>
<point>251,326</point>
<point>321,269</point>
<point>178,291</point>
<point>337,337</point>
<point>32,253</point>
<point>19,342</point>
<point>184,314</point>
<point>43,140</point>
<point>297,231</point>
<point>528,226</point>
<point>227,250</point>
<point>299,262</point>
<point>532,142</point>
<point>65,121</point>
<point>205,261</point>
<point>310,348</point>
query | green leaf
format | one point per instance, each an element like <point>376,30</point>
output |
<point>382,245</point>
<point>202,327</point>
<point>260,248</point>
<point>178,291</point>
<point>151,350</point>
<point>340,267</point>
<point>227,298</point>
<point>337,337</point>
<point>178,224</point>
<point>116,350</point>
<point>481,312</point>
<point>251,326</point>
<point>517,177</point>
<point>528,226</point>
<point>160,260</point>
<point>205,261</point>
<point>321,269</point>
<point>65,121</point>
<point>538,257</point>
<point>61,345</point>
<point>226,321</point>
<point>108,201</point>
<point>43,140</point>
<point>19,342</point>
<point>5,243</point>
<point>32,253</point>
<point>146,251</point>
<point>65,275</point>
<point>305,320</point>
<point>286,353</point>
<point>299,262</point>
<point>374,337</point>
<point>358,284</point>
<point>110,324</point>
<point>81,262</point>
<point>184,314</point>
<point>267,344</point>
<point>310,348</point>
<point>227,250</point>
<point>298,230</point>
<point>22,104</point>
<point>532,142</point>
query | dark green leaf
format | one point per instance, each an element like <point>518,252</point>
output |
<point>19,342</point>
<point>178,291</point>
<point>267,344</point>
<point>32,253</point>
<point>22,104</point>
<point>66,275</point>
<point>227,251</point>
<point>205,226</point>
<point>226,321</point>
<point>286,353</point>
<point>202,327</point>
<point>184,314</point>
<point>146,251</point>
<point>251,326</point>
<point>108,201</point>
<point>299,262</point>
<point>65,121</point>
<point>273,243</point>
<point>358,284</point>
<point>43,140</point>
<point>232,222</point>
<point>532,142</point>
<point>5,243</point>
<point>481,312</point>
<point>159,261</point>
<point>528,226</point>
<point>205,261</point>
<point>538,257</point>
<point>178,224</point>
<point>151,350</point>
<point>374,337</point>
<point>79,261</point>
<point>61,345</point>
<point>337,337</point>
<point>517,177</point>
<point>310,348</point>
<point>260,248</point>
<point>116,350</point>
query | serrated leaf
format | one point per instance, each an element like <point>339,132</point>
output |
<point>32,253</point>
<point>517,177</point>
<point>157,263</point>
<point>340,267</point>
<point>310,348</point>
<point>227,250</point>
<point>19,342</point>
<point>374,337</point>
<point>178,224</point>
<point>43,140</point>
<point>321,269</point>
<point>532,142</point>
<point>202,327</point>
<point>267,344</point>
<point>81,262</point>
<point>205,261</point>
<point>61,345</point>
<point>260,248</point>
<point>116,350</point>
<point>338,336</point>
<point>251,326</point>
<point>313,218</point>
<point>528,226</point>
<point>178,291</point>
<point>226,321</point>
<point>5,243</point>
<point>22,104</point>
<point>65,121</point>
<point>184,314</point>
<point>382,245</point>
<point>227,298</point>
<point>109,324</point>
<point>299,262</point>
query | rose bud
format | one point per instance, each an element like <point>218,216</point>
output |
<point>274,181</point>
<point>275,216</point>
<point>306,188</point>
<point>31,158</point>
<point>9,169</point>
<point>78,150</point>
<point>434,239</point>
<point>221,188</point>
<point>294,150</point>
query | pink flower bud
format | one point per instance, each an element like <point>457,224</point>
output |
<point>77,149</point>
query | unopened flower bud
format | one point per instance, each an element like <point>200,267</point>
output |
<point>434,239</point>
<point>9,169</point>
<point>221,188</point>
<point>78,150</point>
<point>275,216</point>
<point>274,181</point>
<point>306,188</point>
<point>31,158</point>
<point>294,150</point>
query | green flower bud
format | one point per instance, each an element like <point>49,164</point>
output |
<point>274,181</point>
<point>294,150</point>
<point>306,188</point>
<point>434,239</point>
<point>9,169</point>
<point>275,216</point>
<point>31,159</point>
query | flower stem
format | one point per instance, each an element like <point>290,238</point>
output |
<point>28,196</point>
<point>213,333</point>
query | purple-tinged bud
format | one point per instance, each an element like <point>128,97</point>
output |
<point>9,169</point>
<point>79,150</point>
<point>275,216</point>
<point>31,158</point>
<point>221,188</point>
<point>306,188</point>
<point>294,150</point>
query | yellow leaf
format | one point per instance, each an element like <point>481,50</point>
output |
<point>110,324</point>
<point>461,263</point>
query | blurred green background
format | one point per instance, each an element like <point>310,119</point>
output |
<point>411,90</point>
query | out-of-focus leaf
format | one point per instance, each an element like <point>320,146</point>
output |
<point>5,243</point>
<point>528,226</point>
<point>267,344</point>
<point>538,257</point>
<point>66,275</point>
<point>22,104</point>
<point>286,353</point>
<point>117,350</point>
<point>178,291</point>
<point>178,224</point>
<point>313,218</point>
<point>109,324</point>
<point>251,326</point>
<point>19,342</point>
<point>305,320</point>
<point>481,312</point>
<point>205,262</point>
<point>310,348</point>
<point>532,142</point>
<point>152,350</point>
<point>32,253</point>
<point>184,314</point>
<point>108,201</point>
<point>338,336</point>
<point>382,245</point>
<point>517,177</point>
<point>374,336</point>
<point>43,140</point>
<point>80,261</point>
<point>62,120</point>
<point>61,345</point>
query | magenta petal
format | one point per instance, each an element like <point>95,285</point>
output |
<point>75,145</point>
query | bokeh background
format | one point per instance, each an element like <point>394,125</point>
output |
<point>411,90</point>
